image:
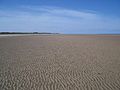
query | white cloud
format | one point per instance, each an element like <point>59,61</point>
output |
<point>55,19</point>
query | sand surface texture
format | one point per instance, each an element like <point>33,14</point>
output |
<point>60,62</point>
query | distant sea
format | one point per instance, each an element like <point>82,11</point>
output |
<point>10,35</point>
<point>4,35</point>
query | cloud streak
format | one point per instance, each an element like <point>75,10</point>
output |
<point>56,19</point>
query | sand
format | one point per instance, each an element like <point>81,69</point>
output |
<point>60,62</point>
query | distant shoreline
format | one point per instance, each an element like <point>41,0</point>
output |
<point>5,34</point>
<point>1,33</point>
<point>40,33</point>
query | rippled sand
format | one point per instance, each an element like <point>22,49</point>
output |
<point>60,62</point>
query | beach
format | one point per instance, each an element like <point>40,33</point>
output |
<point>60,62</point>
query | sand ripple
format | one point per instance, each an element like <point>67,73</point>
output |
<point>60,62</point>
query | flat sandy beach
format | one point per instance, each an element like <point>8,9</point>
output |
<point>60,62</point>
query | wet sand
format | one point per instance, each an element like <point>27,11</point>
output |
<point>60,62</point>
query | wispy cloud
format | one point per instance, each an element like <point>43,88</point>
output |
<point>56,19</point>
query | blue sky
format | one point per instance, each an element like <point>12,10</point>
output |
<point>60,16</point>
